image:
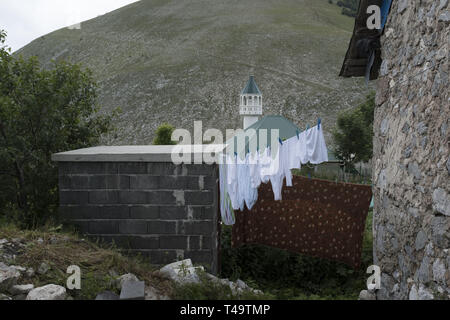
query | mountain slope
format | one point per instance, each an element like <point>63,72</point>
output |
<point>179,61</point>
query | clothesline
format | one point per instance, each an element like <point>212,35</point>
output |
<point>240,177</point>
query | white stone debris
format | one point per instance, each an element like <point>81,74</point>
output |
<point>182,272</point>
<point>48,292</point>
<point>8,276</point>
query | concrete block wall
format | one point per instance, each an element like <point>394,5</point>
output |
<point>164,211</point>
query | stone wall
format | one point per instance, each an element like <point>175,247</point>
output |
<point>163,211</point>
<point>411,153</point>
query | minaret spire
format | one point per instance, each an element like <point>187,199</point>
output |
<point>251,103</point>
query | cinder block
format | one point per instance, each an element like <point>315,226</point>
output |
<point>103,197</point>
<point>144,182</point>
<point>133,197</point>
<point>162,169</point>
<point>201,169</point>
<point>144,212</point>
<point>73,197</point>
<point>197,213</point>
<point>162,227</point>
<point>194,242</point>
<point>204,228</point>
<point>79,182</point>
<point>103,227</point>
<point>173,213</point>
<point>143,242</point>
<point>102,182</point>
<point>90,168</point>
<point>65,183</point>
<point>210,183</point>
<point>208,243</point>
<point>133,227</point>
<point>132,168</point>
<point>161,197</point>
<point>173,182</point>
<point>199,197</point>
<point>209,213</point>
<point>112,212</point>
<point>173,242</point>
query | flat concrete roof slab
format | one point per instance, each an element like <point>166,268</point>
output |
<point>132,153</point>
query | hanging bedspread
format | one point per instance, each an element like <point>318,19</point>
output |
<point>317,218</point>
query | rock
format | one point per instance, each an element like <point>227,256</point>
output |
<point>241,284</point>
<point>21,289</point>
<point>3,241</point>
<point>444,17</point>
<point>30,273</point>
<point>177,265</point>
<point>107,295</point>
<point>403,4</point>
<point>182,272</point>
<point>8,277</point>
<point>425,294</point>
<point>43,268</point>
<point>441,201</point>
<point>126,277</point>
<point>421,294</point>
<point>439,271</point>
<point>133,290</point>
<point>421,240</point>
<point>48,292</point>
<point>4,297</point>
<point>367,295</point>
<point>151,294</point>
<point>20,297</point>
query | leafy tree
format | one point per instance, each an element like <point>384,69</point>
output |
<point>349,7</point>
<point>354,133</point>
<point>164,135</point>
<point>41,112</point>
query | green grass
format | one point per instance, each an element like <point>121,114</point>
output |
<point>100,264</point>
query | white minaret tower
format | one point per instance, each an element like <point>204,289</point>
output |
<point>251,103</point>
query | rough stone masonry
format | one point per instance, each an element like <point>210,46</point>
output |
<point>138,199</point>
<point>411,153</point>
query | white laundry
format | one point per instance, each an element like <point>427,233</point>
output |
<point>226,210</point>
<point>316,149</point>
<point>241,178</point>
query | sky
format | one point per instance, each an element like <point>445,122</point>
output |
<point>26,20</point>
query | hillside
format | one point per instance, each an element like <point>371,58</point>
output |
<point>179,61</point>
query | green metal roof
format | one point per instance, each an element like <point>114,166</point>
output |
<point>286,128</point>
<point>251,87</point>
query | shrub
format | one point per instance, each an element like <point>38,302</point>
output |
<point>41,112</point>
<point>164,135</point>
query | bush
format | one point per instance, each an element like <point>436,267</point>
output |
<point>164,135</point>
<point>41,112</point>
<point>353,135</point>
